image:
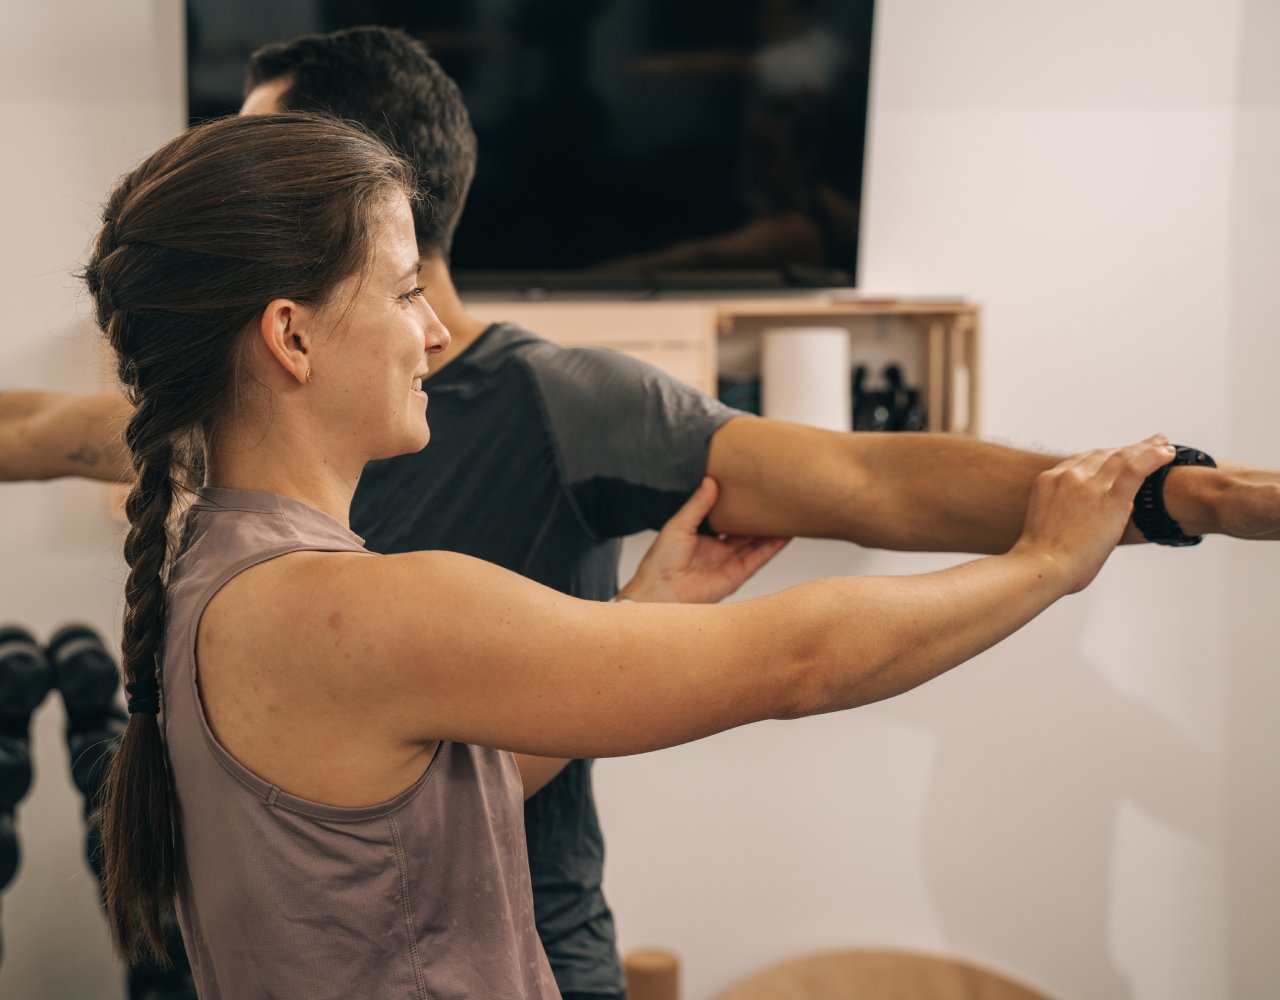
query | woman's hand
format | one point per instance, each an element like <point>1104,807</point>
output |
<point>685,567</point>
<point>1080,507</point>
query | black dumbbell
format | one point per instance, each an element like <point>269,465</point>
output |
<point>15,770</point>
<point>24,682</point>
<point>84,672</point>
<point>872,408</point>
<point>87,677</point>
<point>10,855</point>
<point>908,415</point>
<point>24,676</point>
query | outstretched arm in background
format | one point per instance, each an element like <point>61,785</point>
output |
<point>45,435</point>
<point>911,492</point>
<point>934,492</point>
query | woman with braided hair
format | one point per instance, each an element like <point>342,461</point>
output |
<point>172,313</point>
<point>316,794</point>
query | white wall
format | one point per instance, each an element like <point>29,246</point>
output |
<point>1090,806</point>
<point>1252,682</point>
<point>86,90</point>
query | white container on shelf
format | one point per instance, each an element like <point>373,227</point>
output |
<point>804,376</point>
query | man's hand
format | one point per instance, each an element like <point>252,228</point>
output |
<point>1237,500</point>
<point>685,567</point>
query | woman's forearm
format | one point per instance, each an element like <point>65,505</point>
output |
<point>910,629</point>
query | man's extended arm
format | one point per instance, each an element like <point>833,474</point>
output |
<point>932,492</point>
<point>44,435</point>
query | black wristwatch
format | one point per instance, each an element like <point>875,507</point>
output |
<point>1149,512</point>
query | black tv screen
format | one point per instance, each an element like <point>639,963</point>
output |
<point>623,144</point>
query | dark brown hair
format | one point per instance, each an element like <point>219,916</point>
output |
<point>387,81</point>
<point>194,244</point>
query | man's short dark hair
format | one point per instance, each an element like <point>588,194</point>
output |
<point>386,81</point>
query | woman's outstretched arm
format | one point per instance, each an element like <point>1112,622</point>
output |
<point>431,646</point>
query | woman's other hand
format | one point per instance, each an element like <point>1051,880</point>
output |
<point>683,566</point>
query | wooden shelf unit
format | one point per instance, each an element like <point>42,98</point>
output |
<point>685,338</point>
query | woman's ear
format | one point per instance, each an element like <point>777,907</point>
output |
<point>284,330</point>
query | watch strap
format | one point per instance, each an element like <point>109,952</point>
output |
<point>1149,512</point>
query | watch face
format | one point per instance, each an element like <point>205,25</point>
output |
<point>1192,456</point>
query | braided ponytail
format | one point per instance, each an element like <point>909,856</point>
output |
<point>140,866</point>
<point>194,244</point>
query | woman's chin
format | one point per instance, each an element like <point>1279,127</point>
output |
<point>421,439</point>
<point>417,433</point>
<point>407,445</point>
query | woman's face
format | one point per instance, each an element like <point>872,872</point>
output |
<point>371,350</point>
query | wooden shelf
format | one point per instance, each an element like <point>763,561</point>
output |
<point>948,332</point>
<point>687,338</point>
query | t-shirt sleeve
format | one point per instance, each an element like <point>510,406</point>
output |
<point>632,441</point>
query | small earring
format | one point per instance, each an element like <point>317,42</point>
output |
<point>309,373</point>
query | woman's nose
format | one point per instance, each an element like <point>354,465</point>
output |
<point>437,334</point>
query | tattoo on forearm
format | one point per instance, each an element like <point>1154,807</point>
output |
<point>85,455</point>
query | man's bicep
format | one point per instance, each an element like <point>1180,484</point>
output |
<point>906,492</point>
<point>781,479</point>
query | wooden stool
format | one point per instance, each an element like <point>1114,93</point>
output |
<point>652,974</point>
<point>854,974</point>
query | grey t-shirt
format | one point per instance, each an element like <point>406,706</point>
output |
<point>541,459</point>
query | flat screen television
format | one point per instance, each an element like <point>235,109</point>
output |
<point>624,145</point>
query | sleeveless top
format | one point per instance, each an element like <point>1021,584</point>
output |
<point>424,896</point>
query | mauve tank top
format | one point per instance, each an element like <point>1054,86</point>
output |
<point>425,896</point>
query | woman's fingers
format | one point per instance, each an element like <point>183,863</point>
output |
<point>1080,507</point>
<point>695,510</point>
<point>1128,467</point>
<point>1118,469</point>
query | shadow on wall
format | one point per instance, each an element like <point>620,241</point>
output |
<point>1030,776</point>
